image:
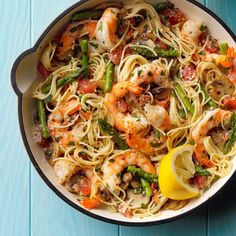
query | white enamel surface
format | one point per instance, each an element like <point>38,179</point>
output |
<point>26,75</point>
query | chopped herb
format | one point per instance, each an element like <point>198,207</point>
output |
<point>57,138</point>
<point>157,134</point>
<point>100,26</point>
<point>111,160</point>
<point>150,73</point>
<point>71,143</point>
<point>203,27</point>
<point>137,190</point>
<point>95,45</point>
<point>163,5</point>
<point>48,153</point>
<point>140,72</point>
<point>154,144</point>
<point>143,205</point>
<point>202,53</point>
<point>83,153</point>
<point>118,175</point>
<point>192,142</point>
<point>182,113</point>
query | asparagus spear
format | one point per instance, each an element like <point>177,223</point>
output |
<point>163,5</point>
<point>106,127</point>
<point>108,77</point>
<point>140,172</point>
<point>201,171</point>
<point>232,135</point>
<point>65,80</point>
<point>146,186</point>
<point>42,119</point>
<point>84,49</point>
<point>210,102</point>
<point>183,97</point>
<point>159,52</point>
<point>83,15</point>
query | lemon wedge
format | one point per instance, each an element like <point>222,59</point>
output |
<point>175,170</point>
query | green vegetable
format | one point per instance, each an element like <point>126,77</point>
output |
<point>163,5</point>
<point>65,80</point>
<point>106,127</point>
<point>223,48</point>
<point>159,52</point>
<point>232,135</point>
<point>182,113</point>
<point>141,173</point>
<point>84,50</point>
<point>42,120</point>
<point>83,15</point>
<point>108,77</point>
<point>183,97</point>
<point>146,186</point>
<point>201,171</point>
<point>210,102</point>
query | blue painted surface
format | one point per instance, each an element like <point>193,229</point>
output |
<point>28,206</point>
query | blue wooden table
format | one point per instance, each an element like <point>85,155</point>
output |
<point>27,205</point>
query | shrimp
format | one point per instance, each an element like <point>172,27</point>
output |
<point>58,122</point>
<point>112,169</point>
<point>118,91</point>
<point>211,120</point>
<point>149,73</point>
<point>159,118</point>
<point>191,29</point>
<point>106,28</point>
<point>74,31</point>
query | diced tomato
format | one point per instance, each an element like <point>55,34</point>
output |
<point>161,44</point>
<point>122,105</point>
<point>128,213</point>
<point>202,38</point>
<point>90,203</point>
<point>232,75</point>
<point>132,21</point>
<point>200,181</point>
<point>212,45</point>
<point>115,55</point>
<point>153,187</point>
<point>86,86</point>
<point>86,115</point>
<point>172,16</point>
<point>229,102</point>
<point>43,71</point>
<point>143,99</point>
<point>189,72</point>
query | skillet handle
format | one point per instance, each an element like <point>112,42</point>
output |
<point>24,71</point>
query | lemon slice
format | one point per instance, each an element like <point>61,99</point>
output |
<point>175,170</point>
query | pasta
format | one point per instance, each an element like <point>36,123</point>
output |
<point>123,88</point>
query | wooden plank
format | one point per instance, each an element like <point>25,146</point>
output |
<point>50,215</point>
<point>14,168</point>
<point>222,210</point>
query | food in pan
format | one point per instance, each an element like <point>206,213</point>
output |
<point>135,107</point>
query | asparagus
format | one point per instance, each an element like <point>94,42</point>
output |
<point>223,48</point>
<point>232,135</point>
<point>42,120</point>
<point>83,15</point>
<point>146,186</point>
<point>159,52</point>
<point>183,97</point>
<point>201,171</point>
<point>108,77</point>
<point>65,80</point>
<point>84,49</point>
<point>210,102</point>
<point>140,172</point>
<point>106,127</point>
<point>163,5</point>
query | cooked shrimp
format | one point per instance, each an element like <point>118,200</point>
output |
<point>58,122</point>
<point>157,116</point>
<point>74,31</point>
<point>191,29</point>
<point>106,28</point>
<point>211,120</point>
<point>118,91</point>
<point>149,73</point>
<point>112,169</point>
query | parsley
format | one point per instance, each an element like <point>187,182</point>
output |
<point>100,26</point>
<point>95,45</point>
